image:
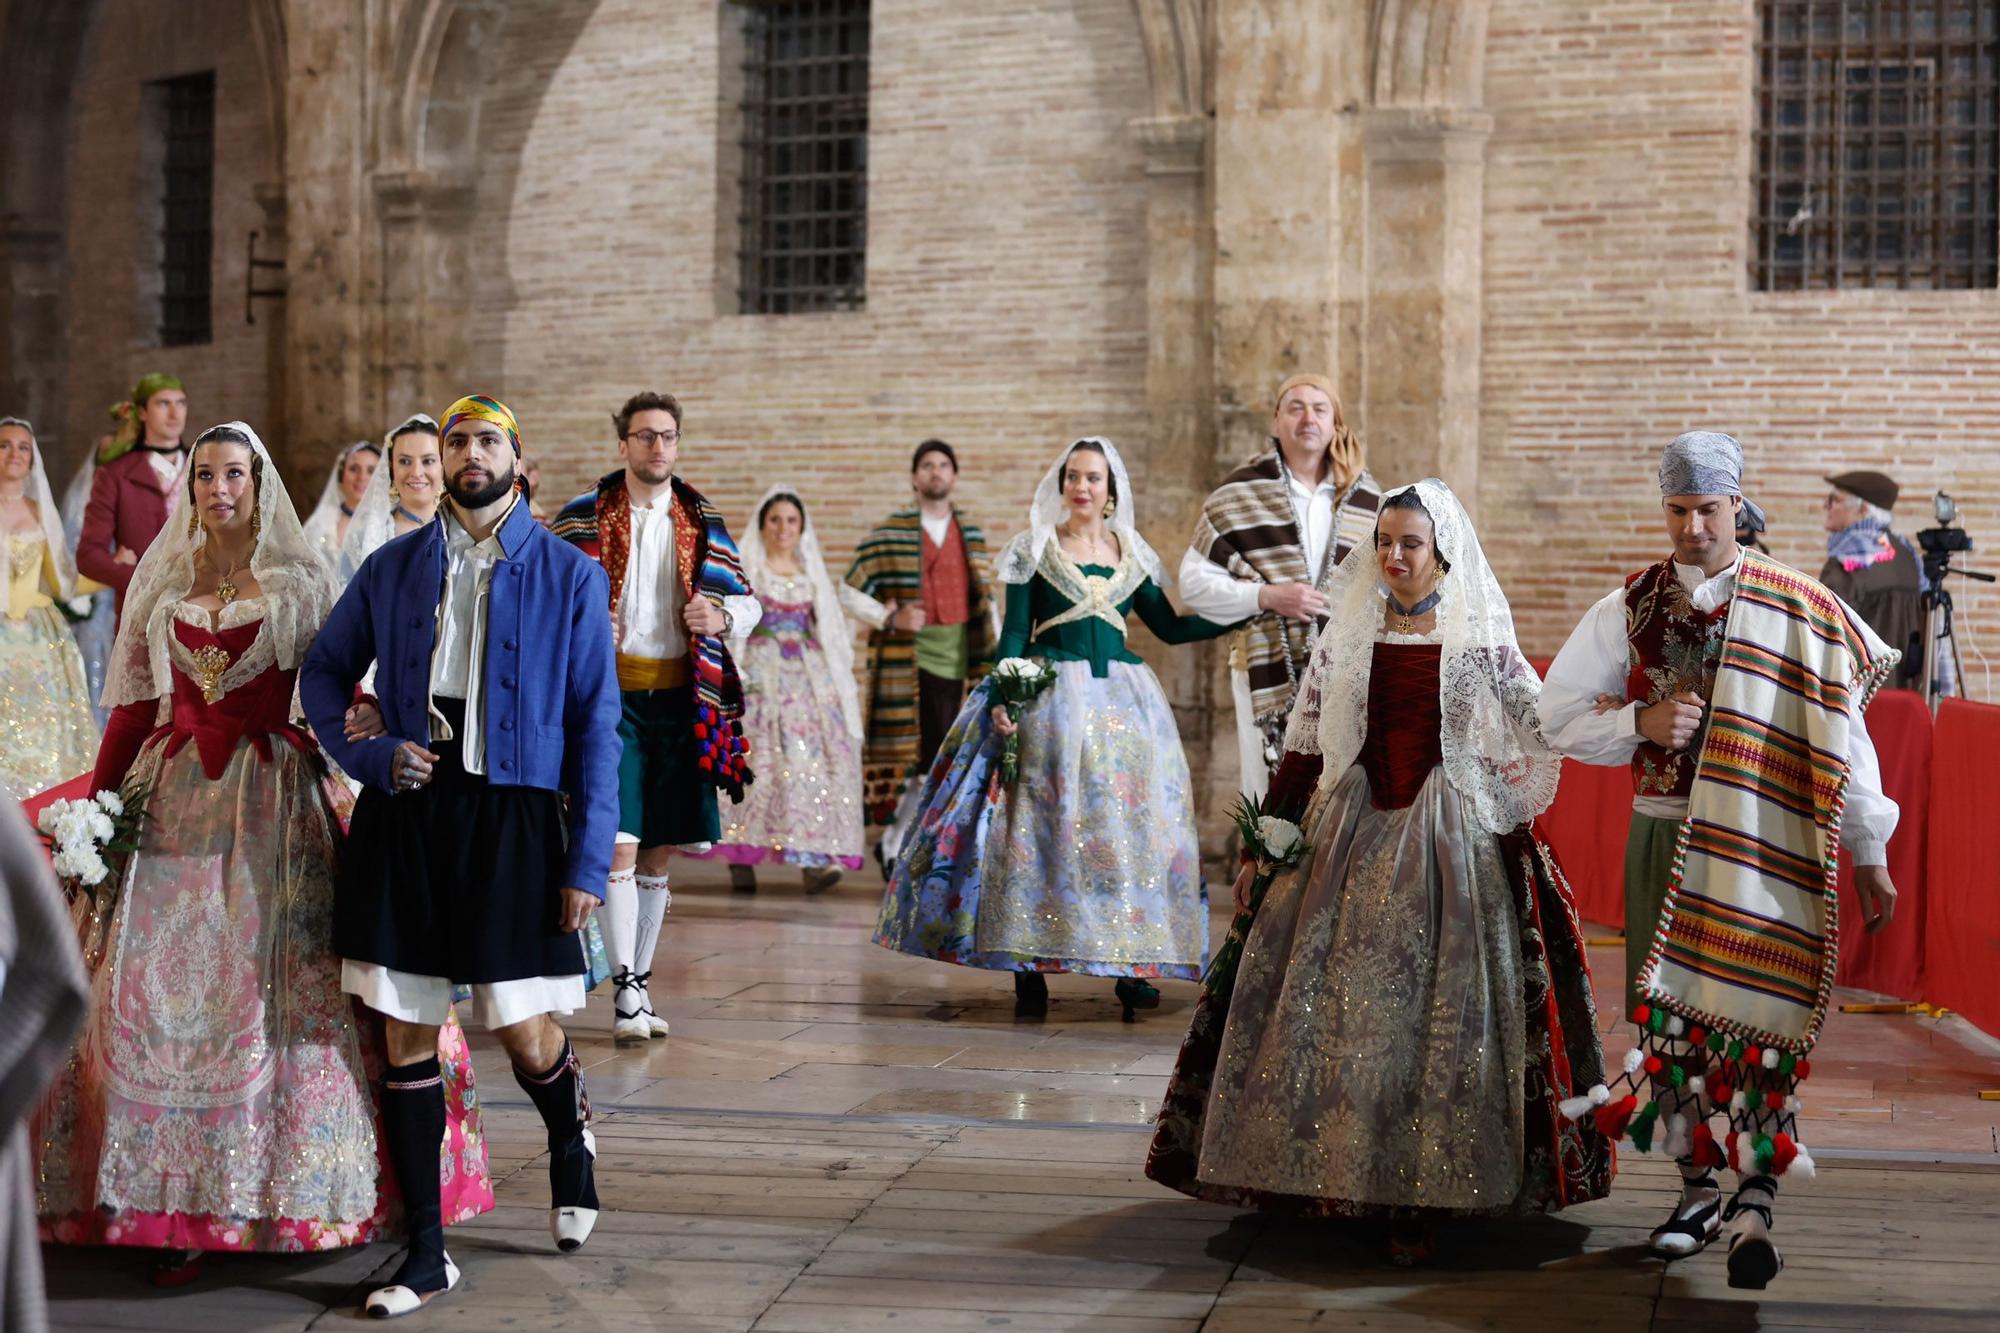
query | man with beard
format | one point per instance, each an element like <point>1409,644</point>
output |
<point>1266,544</point>
<point>483,836</point>
<point>930,561</point>
<point>134,482</point>
<point>677,592</point>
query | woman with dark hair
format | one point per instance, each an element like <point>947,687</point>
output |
<point>1087,862</point>
<point>1393,1024</point>
<point>803,712</point>
<point>346,483</point>
<point>218,1099</point>
<point>402,494</point>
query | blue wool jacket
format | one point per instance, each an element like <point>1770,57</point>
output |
<point>550,683</point>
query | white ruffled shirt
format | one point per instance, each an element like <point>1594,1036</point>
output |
<point>650,606</point>
<point>1596,661</point>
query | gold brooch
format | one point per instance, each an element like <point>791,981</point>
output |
<point>209,664</point>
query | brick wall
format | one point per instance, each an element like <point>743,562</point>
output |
<point>113,314</point>
<point>1618,314</point>
<point>1006,281</point>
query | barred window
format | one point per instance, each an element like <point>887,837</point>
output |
<point>186,117</point>
<point>805,156</point>
<point>1876,161</point>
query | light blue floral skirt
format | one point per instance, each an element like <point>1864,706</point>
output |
<point>1087,862</point>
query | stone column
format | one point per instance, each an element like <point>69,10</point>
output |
<point>1425,174</point>
<point>31,342</point>
<point>423,281</point>
<point>326,116</point>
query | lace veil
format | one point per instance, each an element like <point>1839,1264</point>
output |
<point>1024,554</point>
<point>836,639</point>
<point>374,521</point>
<point>1494,754</point>
<point>298,589</point>
<point>61,558</point>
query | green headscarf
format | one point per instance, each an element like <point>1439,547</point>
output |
<point>129,413</point>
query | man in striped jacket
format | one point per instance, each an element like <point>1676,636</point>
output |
<point>677,591</point>
<point>931,561</point>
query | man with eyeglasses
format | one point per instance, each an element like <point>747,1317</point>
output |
<point>677,594</point>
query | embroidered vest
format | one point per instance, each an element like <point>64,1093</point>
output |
<point>1672,647</point>
<point>947,583</point>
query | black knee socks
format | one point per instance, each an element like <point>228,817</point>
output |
<point>413,1125</point>
<point>558,1094</point>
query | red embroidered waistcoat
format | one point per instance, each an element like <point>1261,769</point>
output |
<point>1672,647</point>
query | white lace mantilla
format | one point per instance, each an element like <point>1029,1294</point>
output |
<point>1494,752</point>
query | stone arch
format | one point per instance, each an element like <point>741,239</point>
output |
<point>1175,34</point>
<point>1428,53</point>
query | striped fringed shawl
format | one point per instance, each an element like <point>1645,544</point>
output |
<point>889,565</point>
<point>599,523</point>
<point>1249,527</point>
<point>1747,940</point>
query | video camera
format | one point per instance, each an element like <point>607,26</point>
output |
<point>1944,541</point>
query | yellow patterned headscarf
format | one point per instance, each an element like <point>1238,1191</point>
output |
<point>479,407</point>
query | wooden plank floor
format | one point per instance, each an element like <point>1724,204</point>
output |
<point>836,1138</point>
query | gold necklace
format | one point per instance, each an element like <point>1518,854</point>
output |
<point>225,591</point>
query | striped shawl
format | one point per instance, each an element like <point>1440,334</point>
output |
<point>599,523</point>
<point>1249,527</point>
<point>1747,940</point>
<point>888,565</point>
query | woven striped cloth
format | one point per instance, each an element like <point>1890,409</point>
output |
<point>889,566</point>
<point>599,523</point>
<point>1249,527</point>
<point>1748,938</point>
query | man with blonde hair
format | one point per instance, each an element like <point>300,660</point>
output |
<point>1268,540</point>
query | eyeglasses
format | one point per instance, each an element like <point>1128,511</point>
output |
<point>646,439</point>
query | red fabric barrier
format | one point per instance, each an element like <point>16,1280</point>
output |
<point>1962,926</point>
<point>1892,960</point>
<point>1587,827</point>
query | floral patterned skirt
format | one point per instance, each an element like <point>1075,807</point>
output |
<point>1392,1027</point>
<point>48,734</point>
<point>1087,863</point>
<point>219,1098</point>
<point>804,809</point>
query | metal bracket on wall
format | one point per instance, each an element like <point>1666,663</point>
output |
<point>251,291</point>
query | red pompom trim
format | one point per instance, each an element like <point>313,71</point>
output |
<point>1707,1152</point>
<point>1613,1117</point>
<point>1783,1150</point>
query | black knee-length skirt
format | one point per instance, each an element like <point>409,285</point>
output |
<point>459,879</point>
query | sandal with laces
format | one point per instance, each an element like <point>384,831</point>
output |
<point>1689,1230</point>
<point>1753,1259</point>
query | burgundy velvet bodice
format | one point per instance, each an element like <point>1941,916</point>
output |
<point>1403,742</point>
<point>257,709</point>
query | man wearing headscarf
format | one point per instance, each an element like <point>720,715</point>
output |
<point>482,840</point>
<point>1266,545</point>
<point>134,482</point>
<point>677,594</point>
<point>1734,687</point>
<point>1876,571</point>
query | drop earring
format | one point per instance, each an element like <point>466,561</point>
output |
<point>1110,508</point>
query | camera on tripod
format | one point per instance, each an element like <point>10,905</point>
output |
<point>1944,541</point>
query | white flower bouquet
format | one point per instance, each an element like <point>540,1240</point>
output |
<point>1015,682</point>
<point>1273,844</point>
<point>77,609</point>
<point>86,835</point>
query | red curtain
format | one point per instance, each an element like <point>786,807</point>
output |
<point>1962,916</point>
<point>1587,827</point>
<point>1892,960</point>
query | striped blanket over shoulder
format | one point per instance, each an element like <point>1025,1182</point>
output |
<point>1249,527</point>
<point>1748,940</point>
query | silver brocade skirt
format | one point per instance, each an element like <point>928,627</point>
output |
<point>1375,1044</point>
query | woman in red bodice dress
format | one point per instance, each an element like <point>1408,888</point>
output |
<point>1391,1026</point>
<point>219,1098</point>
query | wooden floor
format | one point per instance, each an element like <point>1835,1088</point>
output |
<point>835,1137</point>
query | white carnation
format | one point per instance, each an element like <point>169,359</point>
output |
<point>72,827</point>
<point>101,828</point>
<point>1281,837</point>
<point>46,820</point>
<point>94,868</point>
<point>112,803</point>
<point>1019,668</point>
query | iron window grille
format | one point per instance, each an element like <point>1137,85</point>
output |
<point>805,156</point>
<point>187,239</point>
<point>1878,144</point>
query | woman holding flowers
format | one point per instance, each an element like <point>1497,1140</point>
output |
<point>1083,857</point>
<point>217,1099</point>
<point>1403,1002</point>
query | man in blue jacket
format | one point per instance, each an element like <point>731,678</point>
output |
<point>483,837</point>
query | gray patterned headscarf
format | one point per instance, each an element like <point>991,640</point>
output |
<point>1702,462</point>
